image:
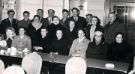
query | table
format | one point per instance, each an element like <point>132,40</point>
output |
<point>92,63</point>
<point>60,61</point>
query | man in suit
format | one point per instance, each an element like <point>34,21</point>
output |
<point>65,19</point>
<point>114,26</point>
<point>80,21</point>
<point>9,22</point>
<point>25,22</point>
<point>51,14</point>
<point>40,12</point>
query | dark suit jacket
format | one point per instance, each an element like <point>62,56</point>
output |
<point>45,22</point>
<point>81,22</point>
<point>6,23</point>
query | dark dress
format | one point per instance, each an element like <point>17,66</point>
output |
<point>59,46</point>
<point>6,23</point>
<point>45,44</point>
<point>35,35</point>
<point>120,52</point>
<point>97,51</point>
<point>70,36</point>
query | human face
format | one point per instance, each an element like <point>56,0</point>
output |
<point>11,15</point>
<point>65,15</point>
<point>44,32</point>
<point>26,16</point>
<point>119,38</point>
<point>50,13</point>
<point>9,33</point>
<point>40,13</point>
<point>21,31</point>
<point>98,38</point>
<point>56,21</point>
<point>112,18</point>
<point>36,19</point>
<point>59,34</point>
<point>88,19</point>
<point>81,34</point>
<point>72,24</point>
<point>94,21</point>
<point>75,13</point>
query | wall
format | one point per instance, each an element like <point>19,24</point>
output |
<point>95,7</point>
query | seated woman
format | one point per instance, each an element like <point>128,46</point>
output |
<point>79,45</point>
<point>10,34</point>
<point>3,43</point>
<point>71,32</point>
<point>22,41</point>
<point>97,49</point>
<point>59,44</point>
<point>120,50</point>
<point>44,43</point>
<point>34,30</point>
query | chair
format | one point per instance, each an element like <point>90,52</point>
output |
<point>76,65</point>
<point>14,70</point>
<point>2,66</point>
<point>32,63</point>
<point>133,71</point>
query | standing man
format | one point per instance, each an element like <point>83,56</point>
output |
<point>114,26</point>
<point>51,14</point>
<point>40,12</point>
<point>65,19</point>
<point>25,21</point>
<point>9,22</point>
<point>80,22</point>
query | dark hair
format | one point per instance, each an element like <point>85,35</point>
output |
<point>11,10</point>
<point>82,30</point>
<point>98,20</point>
<point>44,28</point>
<point>120,34</point>
<point>22,27</point>
<point>40,10</point>
<point>75,9</point>
<point>65,10</point>
<point>55,17</point>
<point>51,10</point>
<point>36,16</point>
<point>26,12</point>
<point>89,15</point>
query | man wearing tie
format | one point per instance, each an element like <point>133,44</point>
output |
<point>80,22</point>
<point>9,22</point>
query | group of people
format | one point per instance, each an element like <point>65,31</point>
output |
<point>73,36</point>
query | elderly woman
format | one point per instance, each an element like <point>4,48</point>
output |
<point>79,45</point>
<point>22,41</point>
<point>97,49</point>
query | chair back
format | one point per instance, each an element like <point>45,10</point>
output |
<point>14,70</point>
<point>76,65</point>
<point>32,63</point>
<point>2,66</point>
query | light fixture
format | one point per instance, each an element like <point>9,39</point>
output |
<point>81,5</point>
